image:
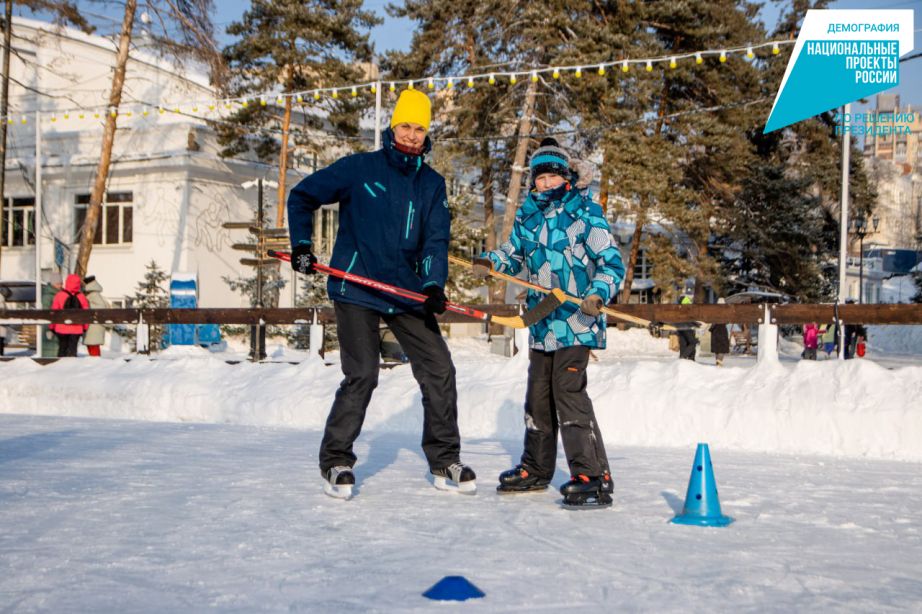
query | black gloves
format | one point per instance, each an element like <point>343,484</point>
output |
<point>303,259</point>
<point>435,301</point>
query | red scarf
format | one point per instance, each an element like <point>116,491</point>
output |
<point>412,151</point>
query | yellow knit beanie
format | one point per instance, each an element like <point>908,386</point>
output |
<point>413,107</point>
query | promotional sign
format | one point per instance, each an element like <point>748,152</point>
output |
<point>841,56</point>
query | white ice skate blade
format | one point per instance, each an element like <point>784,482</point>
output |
<point>343,491</point>
<point>464,488</point>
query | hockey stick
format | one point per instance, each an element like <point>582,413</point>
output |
<point>566,297</point>
<point>537,313</point>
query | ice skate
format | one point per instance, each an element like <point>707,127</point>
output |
<point>338,482</point>
<point>457,477</point>
<point>520,480</point>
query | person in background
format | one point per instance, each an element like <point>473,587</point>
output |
<point>687,337</point>
<point>5,331</point>
<point>70,297</point>
<point>811,340</point>
<point>96,333</point>
<point>828,337</point>
<point>720,339</point>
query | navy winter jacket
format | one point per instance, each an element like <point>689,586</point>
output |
<point>394,223</point>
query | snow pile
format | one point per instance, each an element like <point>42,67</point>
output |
<point>854,408</point>
<point>895,339</point>
<point>898,289</point>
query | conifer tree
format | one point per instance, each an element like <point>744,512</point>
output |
<point>292,46</point>
<point>150,293</point>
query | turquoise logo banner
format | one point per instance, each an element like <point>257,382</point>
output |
<point>841,56</point>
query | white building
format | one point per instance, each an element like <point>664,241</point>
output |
<point>169,191</point>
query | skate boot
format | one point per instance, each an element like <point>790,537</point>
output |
<point>583,491</point>
<point>456,477</point>
<point>338,482</point>
<point>519,480</point>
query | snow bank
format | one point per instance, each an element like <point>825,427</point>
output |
<point>895,339</point>
<point>854,408</point>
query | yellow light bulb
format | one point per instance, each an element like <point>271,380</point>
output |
<point>450,83</point>
<point>578,73</point>
<point>470,82</point>
<point>698,58</point>
<point>262,102</point>
<point>749,53</point>
<point>491,80</point>
<point>316,95</point>
<point>534,76</point>
<point>430,84</point>
<point>145,112</point>
<point>624,66</point>
<point>393,87</point>
<point>300,98</point>
<point>649,66</point>
<point>53,119</point>
<point>67,116</point>
<point>775,49</point>
<point>355,92</point>
<point>723,57</point>
<point>601,71</point>
<point>672,63</point>
<point>556,74</point>
<point>410,85</point>
<point>335,93</point>
<point>245,103</point>
<point>513,79</point>
<point>279,100</point>
<point>374,90</point>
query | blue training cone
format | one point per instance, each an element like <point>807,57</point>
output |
<point>453,588</point>
<point>702,506</point>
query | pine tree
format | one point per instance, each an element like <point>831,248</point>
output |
<point>150,293</point>
<point>292,46</point>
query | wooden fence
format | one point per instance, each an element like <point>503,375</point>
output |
<point>715,314</point>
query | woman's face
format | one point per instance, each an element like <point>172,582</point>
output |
<point>548,181</point>
<point>410,135</point>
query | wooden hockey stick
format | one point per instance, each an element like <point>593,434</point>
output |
<point>566,297</point>
<point>537,313</point>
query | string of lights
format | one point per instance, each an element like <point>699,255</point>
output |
<point>219,107</point>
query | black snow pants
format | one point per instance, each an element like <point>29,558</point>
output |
<point>359,344</point>
<point>556,400</point>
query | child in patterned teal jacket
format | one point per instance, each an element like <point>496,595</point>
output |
<point>562,240</point>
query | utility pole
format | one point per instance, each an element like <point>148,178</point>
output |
<point>4,110</point>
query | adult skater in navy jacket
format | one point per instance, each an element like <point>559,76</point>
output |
<point>394,227</point>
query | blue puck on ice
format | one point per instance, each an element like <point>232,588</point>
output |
<point>453,588</point>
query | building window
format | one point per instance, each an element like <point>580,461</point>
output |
<point>642,266</point>
<point>18,228</point>
<point>116,220</point>
<point>901,150</point>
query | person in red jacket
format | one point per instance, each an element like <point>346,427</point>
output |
<point>69,298</point>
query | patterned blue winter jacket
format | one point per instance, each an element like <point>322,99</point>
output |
<point>394,223</point>
<point>563,240</point>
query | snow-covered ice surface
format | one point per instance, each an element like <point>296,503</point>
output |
<point>184,483</point>
<point>117,516</point>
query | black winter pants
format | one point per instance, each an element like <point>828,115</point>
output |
<point>687,342</point>
<point>556,399</point>
<point>359,343</point>
<point>67,345</point>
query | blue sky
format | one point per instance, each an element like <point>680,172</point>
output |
<point>396,33</point>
